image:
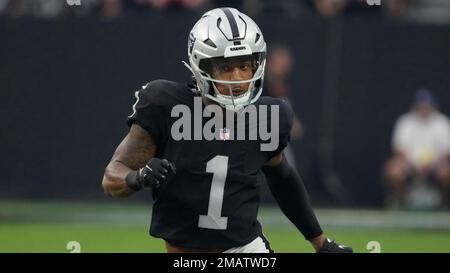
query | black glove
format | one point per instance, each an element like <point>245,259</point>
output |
<point>153,175</point>
<point>330,246</point>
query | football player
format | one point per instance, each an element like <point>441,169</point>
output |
<point>207,191</point>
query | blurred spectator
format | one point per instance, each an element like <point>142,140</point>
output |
<point>48,8</point>
<point>422,11</point>
<point>396,8</point>
<point>140,4</point>
<point>3,4</point>
<point>106,9</point>
<point>13,9</point>
<point>18,8</point>
<point>110,9</point>
<point>35,8</point>
<point>287,8</point>
<point>280,62</point>
<point>183,4</point>
<point>330,8</point>
<point>86,8</point>
<point>421,144</point>
<point>279,67</point>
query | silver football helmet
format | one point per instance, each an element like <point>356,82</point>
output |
<point>224,33</point>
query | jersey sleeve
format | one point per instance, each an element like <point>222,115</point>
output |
<point>149,112</point>
<point>286,118</point>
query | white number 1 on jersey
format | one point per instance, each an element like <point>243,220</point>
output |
<point>219,167</point>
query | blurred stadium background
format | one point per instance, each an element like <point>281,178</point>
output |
<point>67,78</point>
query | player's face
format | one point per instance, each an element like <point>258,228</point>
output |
<point>232,69</point>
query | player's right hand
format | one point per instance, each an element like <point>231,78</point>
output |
<point>152,175</point>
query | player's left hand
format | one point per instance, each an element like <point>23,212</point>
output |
<point>330,246</point>
<point>152,176</point>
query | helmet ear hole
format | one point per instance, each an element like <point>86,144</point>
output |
<point>257,37</point>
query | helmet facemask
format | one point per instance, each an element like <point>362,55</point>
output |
<point>233,96</point>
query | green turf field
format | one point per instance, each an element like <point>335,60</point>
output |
<point>49,227</point>
<point>22,237</point>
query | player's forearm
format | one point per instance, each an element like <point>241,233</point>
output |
<point>290,193</point>
<point>135,150</point>
<point>114,183</point>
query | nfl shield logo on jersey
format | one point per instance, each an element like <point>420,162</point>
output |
<point>224,134</point>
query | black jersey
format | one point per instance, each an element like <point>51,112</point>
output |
<point>212,201</point>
